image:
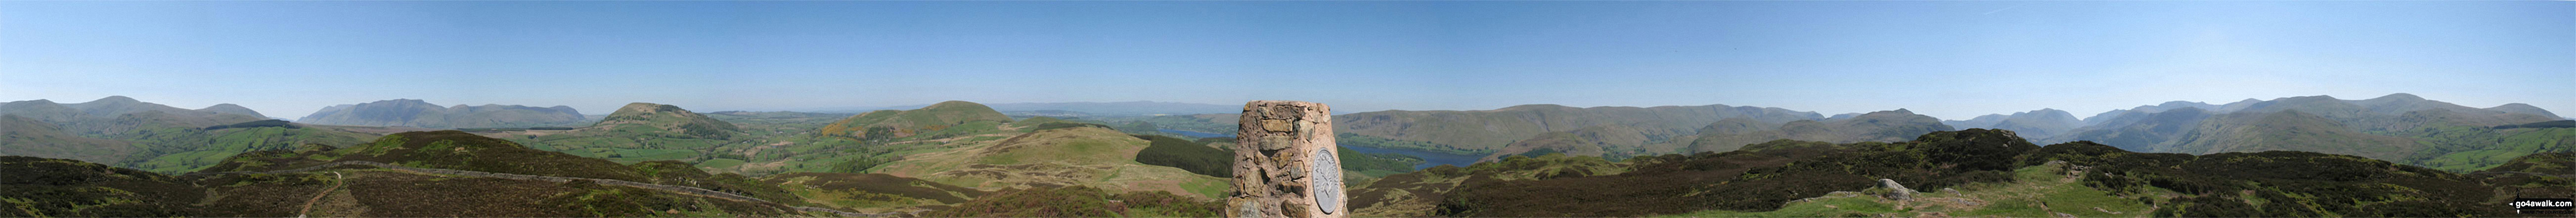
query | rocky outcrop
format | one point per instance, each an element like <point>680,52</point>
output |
<point>1896,191</point>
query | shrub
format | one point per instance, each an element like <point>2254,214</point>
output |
<point>1187,155</point>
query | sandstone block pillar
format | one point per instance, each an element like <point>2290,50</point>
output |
<point>1285,163</point>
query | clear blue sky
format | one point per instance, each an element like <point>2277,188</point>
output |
<point>1950,59</point>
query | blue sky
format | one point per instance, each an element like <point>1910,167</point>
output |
<point>1949,59</point>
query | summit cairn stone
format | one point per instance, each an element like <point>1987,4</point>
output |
<point>1284,162</point>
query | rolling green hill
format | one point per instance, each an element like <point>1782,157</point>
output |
<point>116,115</point>
<point>124,132</point>
<point>2398,127</point>
<point>231,109</point>
<point>663,120</point>
<point>2521,108</point>
<point>2562,163</point>
<point>903,123</point>
<point>417,113</point>
<point>1597,141</point>
<point>2462,149</point>
<point>2288,130</point>
<point>1969,173</point>
<point>1070,156</point>
<point>638,132</point>
<point>442,173</point>
<point>1881,126</point>
<point>29,137</point>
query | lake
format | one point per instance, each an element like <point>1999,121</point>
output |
<point>1195,135</point>
<point>1429,158</point>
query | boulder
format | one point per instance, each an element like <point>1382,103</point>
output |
<point>1896,191</point>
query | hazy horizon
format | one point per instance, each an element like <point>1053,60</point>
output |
<point>1951,60</point>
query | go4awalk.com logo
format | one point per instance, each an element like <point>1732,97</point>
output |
<point>2543,205</point>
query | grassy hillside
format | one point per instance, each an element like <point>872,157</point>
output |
<point>417,113</point>
<point>664,121</point>
<point>872,193</point>
<point>904,123</point>
<point>2288,131</point>
<point>42,187</point>
<point>1881,126</point>
<point>640,132</point>
<point>231,109</point>
<point>1953,173</point>
<point>2521,108</point>
<point>2397,127</point>
<point>1081,202</point>
<point>457,150</point>
<point>124,132</point>
<point>46,187</point>
<point>115,115</point>
<point>2463,149</point>
<point>449,149</point>
<point>1187,155</point>
<point>29,137</point>
<point>190,149</point>
<point>1069,156</point>
<point>1597,141</point>
<point>2562,163</point>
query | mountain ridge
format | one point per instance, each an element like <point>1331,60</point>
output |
<point>420,113</point>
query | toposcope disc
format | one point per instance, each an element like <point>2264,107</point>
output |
<point>1327,188</point>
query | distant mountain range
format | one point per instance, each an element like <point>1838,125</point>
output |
<point>117,114</point>
<point>1128,108</point>
<point>417,113</point>
<point>125,132</point>
<point>1882,126</point>
<point>2295,156</point>
<point>2040,123</point>
<point>1485,131</point>
<point>2397,127</point>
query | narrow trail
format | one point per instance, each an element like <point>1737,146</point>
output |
<point>670,188</point>
<point>317,197</point>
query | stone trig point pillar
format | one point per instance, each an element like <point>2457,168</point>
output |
<point>1284,162</point>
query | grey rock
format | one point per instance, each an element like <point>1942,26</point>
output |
<point>1896,191</point>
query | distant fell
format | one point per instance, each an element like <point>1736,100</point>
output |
<point>1124,108</point>
<point>2040,123</point>
<point>662,120</point>
<point>231,109</point>
<point>418,113</point>
<point>2521,108</point>
<point>2395,127</point>
<point>30,137</point>
<point>119,114</point>
<point>901,123</point>
<point>1881,126</point>
<point>1491,130</point>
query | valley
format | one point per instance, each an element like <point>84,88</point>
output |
<point>964,158</point>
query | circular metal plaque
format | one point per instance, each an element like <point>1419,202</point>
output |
<point>1327,188</point>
